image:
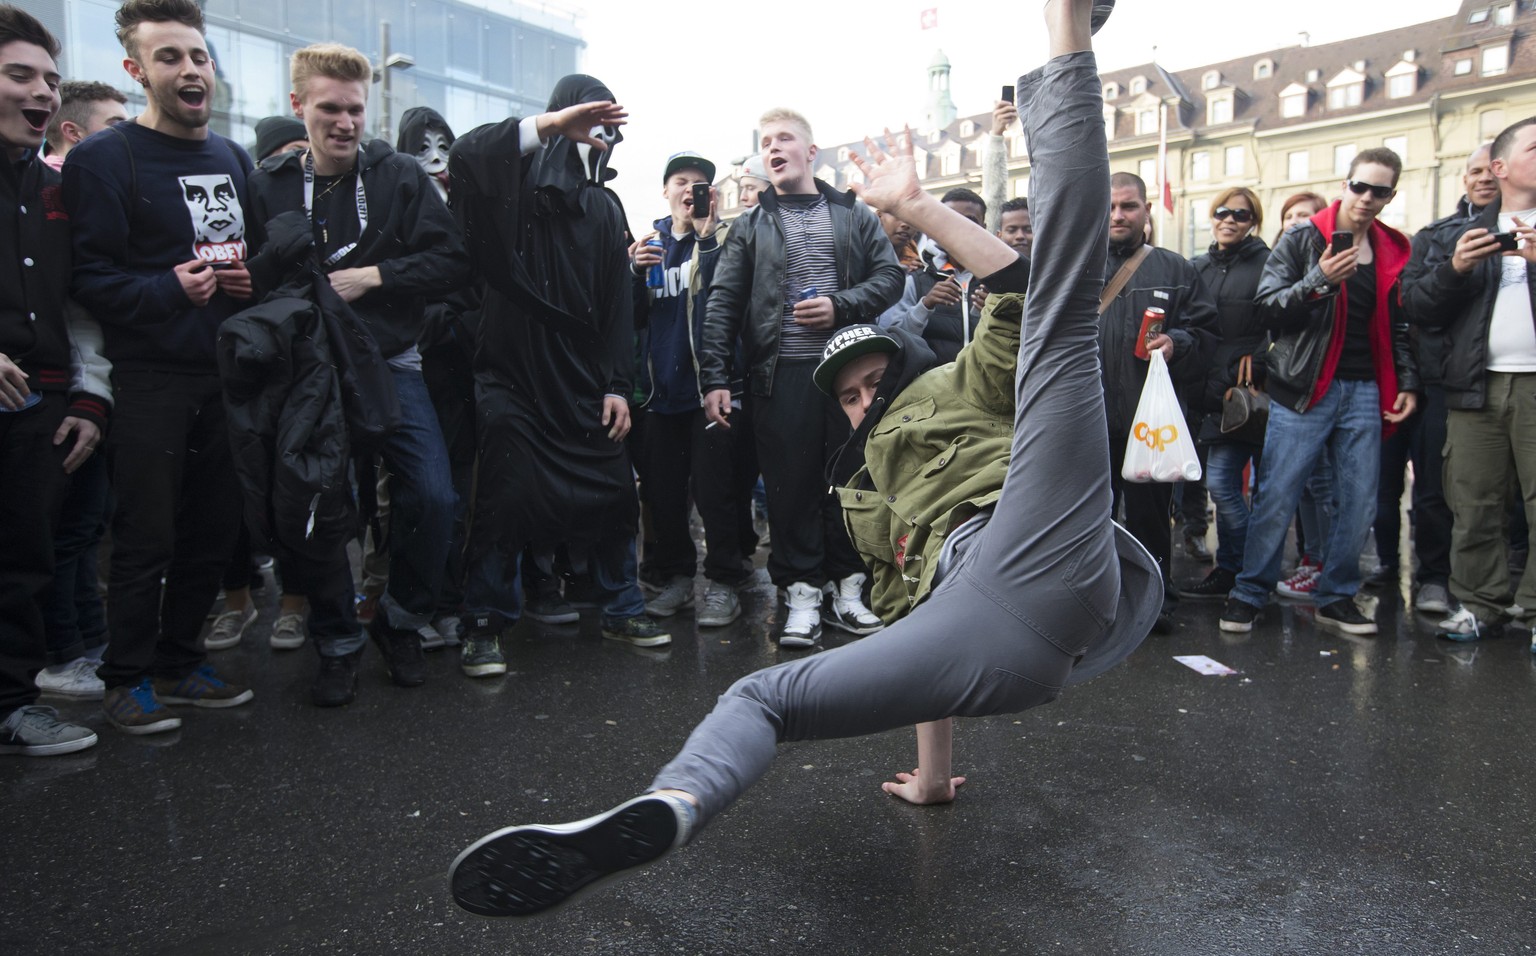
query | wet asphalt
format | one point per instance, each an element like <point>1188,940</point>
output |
<point>1337,795</point>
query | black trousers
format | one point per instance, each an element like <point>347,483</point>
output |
<point>719,467</point>
<point>799,430</point>
<point>178,511</point>
<point>1147,514</point>
<point>31,486</point>
<point>1420,439</point>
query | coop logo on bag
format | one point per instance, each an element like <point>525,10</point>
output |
<point>1157,439</point>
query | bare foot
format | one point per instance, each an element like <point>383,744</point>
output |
<point>912,788</point>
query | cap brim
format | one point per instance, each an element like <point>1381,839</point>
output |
<point>826,372</point>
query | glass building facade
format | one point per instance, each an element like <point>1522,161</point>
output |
<point>476,61</point>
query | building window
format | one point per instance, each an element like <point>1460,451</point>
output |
<point>1200,222</point>
<point>1495,60</point>
<point>949,163</point>
<point>1109,122</point>
<point>1293,105</point>
<point>1017,146</point>
<point>1146,122</point>
<point>1021,187</point>
<point>1504,14</point>
<point>1404,84</point>
<point>1462,67</point>
<point>1489,124</point>
<point>1147,170</point>
<point>842,154</point>
<point>1219,111</point>
<point>1111,90</point>
<point>1210,80</point>
<point>1398,145</point>
<point>1200,165</point>
<point>1233,161</point>
<point>1342,157</point>
<point>1264,69</point>
<point>1138,85</point>
<point>1343,97</point>
<point>967,129</point>
<point>1297,166</point>
<point>1478,16</point>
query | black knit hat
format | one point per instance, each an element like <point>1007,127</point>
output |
<point>276,131</point>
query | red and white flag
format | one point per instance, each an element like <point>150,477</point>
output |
<point>929,18</point>
<point>1164,186</point>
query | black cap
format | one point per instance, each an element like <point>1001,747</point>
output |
<point>688,159</point>
<point>847,345</point>
<point>276,131</point>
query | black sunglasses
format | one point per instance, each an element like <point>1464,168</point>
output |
<point>1236,215</point>
<point>1360,189</point>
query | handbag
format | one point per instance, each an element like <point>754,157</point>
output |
<point>1245,409</point>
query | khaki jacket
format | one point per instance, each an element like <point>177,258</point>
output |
<point>936,458</point>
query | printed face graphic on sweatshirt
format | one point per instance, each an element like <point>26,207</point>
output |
<point>218,224</point>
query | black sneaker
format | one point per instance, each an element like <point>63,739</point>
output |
<point>640,630</point>
<point>336,684</point>
<point>1238,616</point>
<point>1195,547</point>
<point>524,870</point>
<point>402,653</point>
<point>1215,586</point>
<point>1343,615</point>
<point>551,609</point>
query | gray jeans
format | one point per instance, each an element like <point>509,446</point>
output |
<point>1029,593</point>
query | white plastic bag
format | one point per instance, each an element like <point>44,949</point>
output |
<point>1159,447</point>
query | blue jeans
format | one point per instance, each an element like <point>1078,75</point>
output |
<point>495,585</point>
<point>421,506</point>
<point>1317,511</point>
<point>73,612</point>
<point>1224,482</point>
<point>1345,426</point>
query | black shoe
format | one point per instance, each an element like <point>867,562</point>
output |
<point>1195,547</point>
<point>1238,616</point>
<point>520,871</point>
<point>1385,576</point>
<point>1163,624</point>
<point>1342,615</point>
<point>402,653</point>
<point>336,684</point>
<point>1215,586</point>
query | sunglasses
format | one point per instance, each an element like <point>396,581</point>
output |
<point>1380,192</point>
<point>1236,215</point>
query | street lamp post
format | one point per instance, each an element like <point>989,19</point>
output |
<point>388,61</point>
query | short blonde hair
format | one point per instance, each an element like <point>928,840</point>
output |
<point>780,114</point>
<point>328,59</point>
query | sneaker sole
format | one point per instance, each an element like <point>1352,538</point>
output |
<point>863,630</point>
<point>223,644</point>
<point>286,644</point>
<point>1358,630</point>
<point>98,693</point>
<point>797,640</point>
<point>662,611</point>
<point>161,726</point>
<point>718,621</point>
<point>1433,607</point>
<point>48,750</point>
<point>570,618</point>
<point>1237,627</point>
<point>657,641</point>
<point>1201,596</point>
<point>210,703</point>
<point>526,870</point>
<point>1290,595</point>
<point>483,670</point>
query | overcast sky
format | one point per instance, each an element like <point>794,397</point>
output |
<point>853,68</point>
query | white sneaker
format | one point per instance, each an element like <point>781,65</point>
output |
<point>802,626</point>
<point>228,628</point>
<point>677,595</point>
<point>848,610</point>
<point>1462,626</point>
<point>76,679</point>
<point>288,632</point>
<point>721,606</point>
<point>431,640</point>
<point>451,628</point>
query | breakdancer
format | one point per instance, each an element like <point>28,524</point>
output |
<point>1032,587</point>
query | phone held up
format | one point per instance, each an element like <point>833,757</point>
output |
<point>701,200</point>
<point>1341,240</point>
<point>1508,241</point>
<point>1008,94</point>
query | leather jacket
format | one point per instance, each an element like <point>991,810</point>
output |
<point>1461,306</point>
<point>746,298</point>
<point>1434,243</point>
<point>1299,306</point>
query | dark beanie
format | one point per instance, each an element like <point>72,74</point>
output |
<point>276,131</point>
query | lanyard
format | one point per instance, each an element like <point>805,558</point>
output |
<point>309,200</point>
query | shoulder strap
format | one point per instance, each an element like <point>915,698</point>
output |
<point>1123,276</point>
<point>133,172</point>
<point>1245,371</point>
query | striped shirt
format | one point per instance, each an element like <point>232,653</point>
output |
<point>810,261</point>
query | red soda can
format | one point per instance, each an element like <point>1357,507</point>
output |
<point>1151,327</point>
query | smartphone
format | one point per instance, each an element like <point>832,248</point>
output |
<point>700,200</point>
<point>1508,241</point>
<point>221,265</point>
<point>1008,94</point>
<point>1340,242</point>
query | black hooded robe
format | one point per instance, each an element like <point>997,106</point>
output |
<point>556,336</point>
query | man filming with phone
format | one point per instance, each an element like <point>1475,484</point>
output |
<point>678,445</point>
<point>1341,372</point>
<point>939,301</point>
<point>1478,292</point>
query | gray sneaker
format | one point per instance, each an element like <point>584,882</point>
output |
<point>677,595</point>
<point>37,731</point>
<point>551,609</point>
<point>287,633</point>
<point>481,656</point>
<point>228,628</point>
<point>451,627</point>
<point>1433,599</point>
<point>721,606</point>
